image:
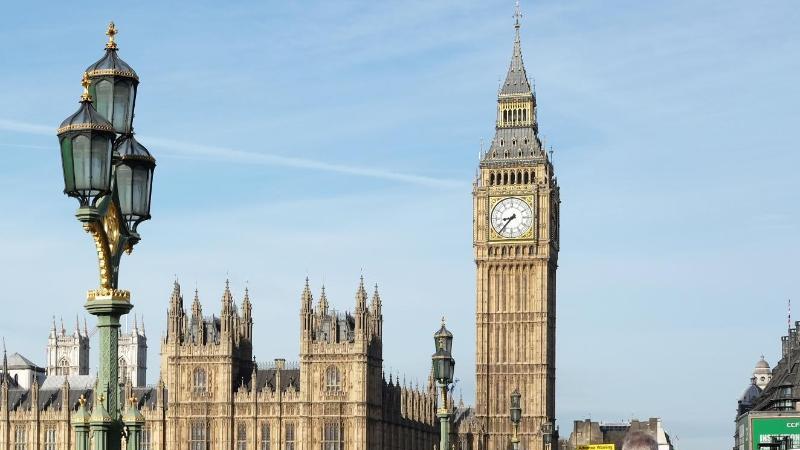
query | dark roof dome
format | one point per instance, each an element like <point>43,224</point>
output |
<point>750,395</point>
<point>130,148</point>
<point>111,63</point>
<point>443,331</point>
<point>86,118</point>
<point>762,364</point>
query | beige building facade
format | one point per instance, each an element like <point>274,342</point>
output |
<point>516,242</point>
<point>213,395</point>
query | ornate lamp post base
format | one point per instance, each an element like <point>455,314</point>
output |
<point>108,305</point>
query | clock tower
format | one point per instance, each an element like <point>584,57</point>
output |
<point>516,241</point>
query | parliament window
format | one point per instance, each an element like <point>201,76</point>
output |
<point>199,380</point>
<point>146,437</point>
<point>241,437</point>
<point>332,437</point>
<point>20,438</point>
<point>289,439</point>
<point>50,438</point>
<point>332,379</point>
<point>264,436</point>
<point>197,436</point>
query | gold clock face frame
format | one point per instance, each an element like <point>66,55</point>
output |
<point>511,218</point>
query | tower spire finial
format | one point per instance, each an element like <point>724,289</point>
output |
<point>85,82</point>
<point>111,32</point>
<point>517,15</point>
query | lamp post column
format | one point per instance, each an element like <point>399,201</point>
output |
<point>108,306</point>
<point>444,421</point>
<point>443,369</point>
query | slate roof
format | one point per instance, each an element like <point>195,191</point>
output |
<point>289,377</point>
<point>516,79</point>
<point>17,362</point>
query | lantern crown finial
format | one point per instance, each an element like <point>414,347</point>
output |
<point>111,32</point>
<point>86,82</point>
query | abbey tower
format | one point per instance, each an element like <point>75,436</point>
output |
<point>516,242</point>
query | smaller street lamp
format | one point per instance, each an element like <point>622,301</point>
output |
<point>547,434</point>
<point>86,139</point>
<point>443,369</point>
<point>516,417</point>
<point>134,178</point>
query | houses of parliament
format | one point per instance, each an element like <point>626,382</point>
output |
<point>212,394</point>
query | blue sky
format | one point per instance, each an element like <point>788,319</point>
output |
<point>327,138</point>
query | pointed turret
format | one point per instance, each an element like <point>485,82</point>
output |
<point>247,316</point>
<point>85,328</point>
<point>306,300</point>
<point>376,314</point>
<point>196,321</point>
<point>323,306</point>
<point>175,314</point>
<point>361,311</point>
<point>53,331</point>
<point>5,363</point>
<point>306,312</point>
<point>227,311</point>
<point>77,326</point>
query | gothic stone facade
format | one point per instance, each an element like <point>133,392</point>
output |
<point>212,395</point>
<point>335,398</point>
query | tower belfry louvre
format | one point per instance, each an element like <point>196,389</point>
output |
<point>516,242</point>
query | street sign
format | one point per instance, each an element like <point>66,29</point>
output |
<point>775,433</point>
<point>598,447</point>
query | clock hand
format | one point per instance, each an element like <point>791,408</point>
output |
<point>508,221</point>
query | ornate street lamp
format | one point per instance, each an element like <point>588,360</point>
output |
<point>547,434</point>
<point>114,86</point>
<point>516,417</point>
<point>111,175</point>
<point>443,369</point>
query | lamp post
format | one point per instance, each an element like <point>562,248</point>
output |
<point>547,435</point>
<point>516,417</point>
<point>111,176</point>
<point>443,368</point>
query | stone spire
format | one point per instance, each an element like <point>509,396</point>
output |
<point>306,298</point>
<point>322,306</point>
<point>5,363</point>
<point>361,311</point>
<point>306,312</point>
<point>361,296</point>
<point>247,316</point>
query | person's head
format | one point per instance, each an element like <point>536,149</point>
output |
<point>639,440</point>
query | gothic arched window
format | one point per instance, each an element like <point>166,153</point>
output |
<point>289,437</point>
<point>333,381</point>
<point>123,370</point>
<point>332,437</point>
<point>63,367</point>
<point>198,436</point>
<point>241,437</point>
<point>264,436</point>
<point>199,380</point>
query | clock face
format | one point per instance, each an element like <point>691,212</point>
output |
<point>512,217</point>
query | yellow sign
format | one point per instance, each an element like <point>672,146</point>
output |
<point>598,447</point>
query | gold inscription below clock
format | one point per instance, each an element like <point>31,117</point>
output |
<point>511,218</point>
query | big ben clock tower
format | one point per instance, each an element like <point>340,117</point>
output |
<point>515,238</point>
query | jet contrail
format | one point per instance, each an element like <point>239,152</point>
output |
<point>209,152</point>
